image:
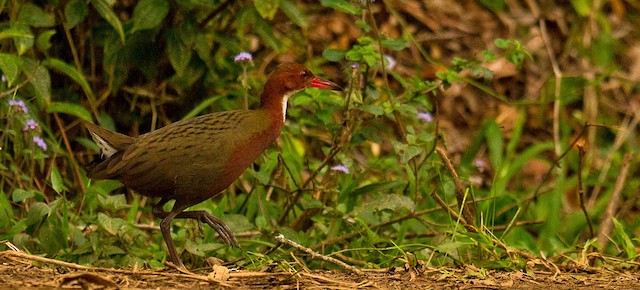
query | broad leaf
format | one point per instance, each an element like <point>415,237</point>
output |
<point>71,72</point>
<point>39,78</point>
<point>265,31</point>
<point>43,42</point>
<point>22,37</point>
<point>149,14</point>
<point>107,13</point>
<point>34,16</point>
<point>383,201</point>
<point>342,5</point>
<point>395,44</point>
<point>19,194</point>
<point>334,55</point>
<point>290,8</point>
<point>179,53</point>
<point>11,65</point>
<point>75,12</point>
<point>56,180</point>
<point>71,109</point>
<point>266,8</point>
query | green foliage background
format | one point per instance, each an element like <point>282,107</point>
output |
<point>135,66</point>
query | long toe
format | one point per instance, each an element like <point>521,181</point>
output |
<point>221,228</point>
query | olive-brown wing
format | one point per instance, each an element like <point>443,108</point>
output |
<point>188,155</point>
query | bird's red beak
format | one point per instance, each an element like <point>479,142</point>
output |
<point>324,84</point>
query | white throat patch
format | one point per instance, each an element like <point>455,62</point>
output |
<point>285,100</point>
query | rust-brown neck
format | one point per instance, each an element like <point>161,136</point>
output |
<point>274,100</point>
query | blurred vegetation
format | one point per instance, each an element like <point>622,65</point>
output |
<point>480,132</point>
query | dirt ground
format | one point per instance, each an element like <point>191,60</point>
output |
<point>23,271</point>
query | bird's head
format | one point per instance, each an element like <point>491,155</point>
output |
<point>289,78</point>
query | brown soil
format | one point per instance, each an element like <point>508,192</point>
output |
<point>23,271</point>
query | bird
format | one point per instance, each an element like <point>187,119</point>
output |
<point>192,160</point>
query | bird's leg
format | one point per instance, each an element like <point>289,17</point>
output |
<point>201,216</point>
<point>165,227</point>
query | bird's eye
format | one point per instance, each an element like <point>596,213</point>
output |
<point>304,74</point>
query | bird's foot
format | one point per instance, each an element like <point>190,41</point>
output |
<point>220,227</point>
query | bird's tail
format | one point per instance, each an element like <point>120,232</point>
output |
<point>111,144</point>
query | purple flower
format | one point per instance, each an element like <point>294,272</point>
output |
<point>243,56</point>
<point>30,125</point>
<point>479,163</point>
<point>19,105</point>
<point>4,78</point>
<point>390,62</point>
<point>340,168</point>
<point>355,65</point>
<point>40,142</point>
<point>425,116</point>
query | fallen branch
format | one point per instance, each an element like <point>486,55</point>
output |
<point>281,239</point>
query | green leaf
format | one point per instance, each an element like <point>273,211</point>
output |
<point>111,225</point>
<point>582,7</point>
<point>71,72</point>
<point>495,142</point>
<point>43,42</point>
<point>6,212</point>
<point>75,12</point>
<point>293,12</point>
<point>494,5</point>
<point>149,14</point>
<point>34,16</point>
<point>107,13</point>
<point>395,44</point>
<point>238,222</point>
<point>266,8</point>
<point>342,5</point>
<point>627,244</point>
<point>37,211</point>
<point>24,38</point>
<point>334,55</point>
<point>71,109</point>
<point>52,238</point>
<point>265,31</point>
<point>11,66</point>
<point>179,53</point>
<point>409,152</point>
<point>56,180</point>
<point>393,202</point>
<point>375,110</point>
<point>603,52</point>
<point>19,195</point>
<point>39,79</point>
<point>16,31</point>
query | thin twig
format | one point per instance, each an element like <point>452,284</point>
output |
<point>558,81</point>
<point>282,239</point>
<point>72,157</point>
<point>607,220</point>
<point>536,192</point>
<point>468,210</point>
<point>24,255</point>
<point>581,153</point>
<point>628,128</point>
<point>16,88</point>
